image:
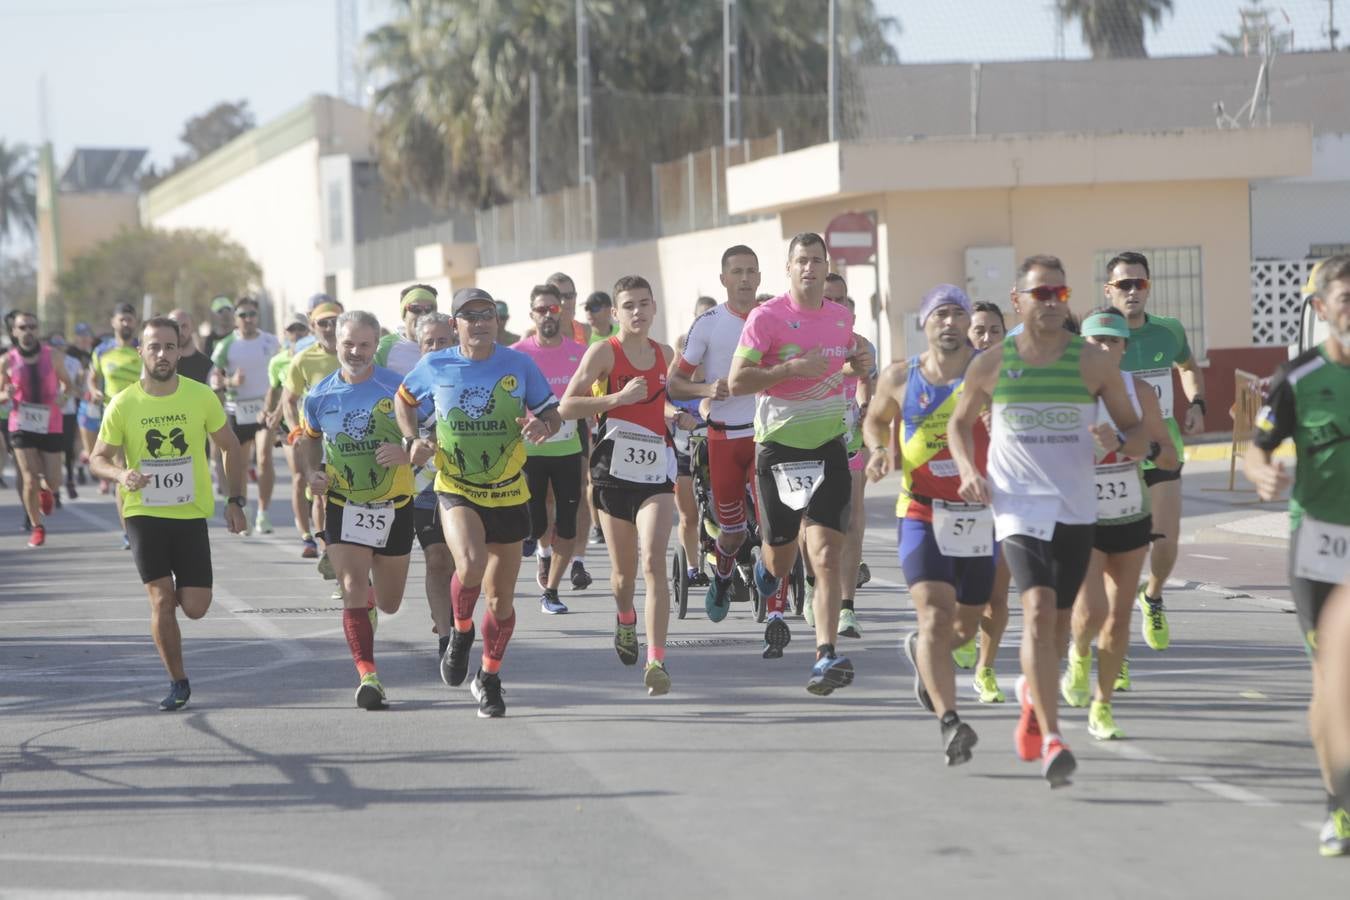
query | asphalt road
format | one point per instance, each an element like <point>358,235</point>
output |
<point>738,783</point>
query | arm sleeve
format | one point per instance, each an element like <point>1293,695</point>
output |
<point>1275,421</point>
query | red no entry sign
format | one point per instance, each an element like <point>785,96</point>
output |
<point>851,238</point>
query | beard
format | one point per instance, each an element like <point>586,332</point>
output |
<point>167,373</point>
<point>549,328</point>
<point>125,333</point>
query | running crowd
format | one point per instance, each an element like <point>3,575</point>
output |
<point>1048,457</point>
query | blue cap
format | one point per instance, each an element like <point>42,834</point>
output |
<point>942,295</point>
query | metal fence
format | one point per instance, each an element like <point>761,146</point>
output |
<point>391,258</point>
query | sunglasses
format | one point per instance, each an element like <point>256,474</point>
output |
<point>1044,292</point>
<point>246,314</point>
<point>552,309</point>
<point>25,328</point>
<point>330,322</point>
<point>420,310</point>
<point>1130,284</point>
<point>485,315</point>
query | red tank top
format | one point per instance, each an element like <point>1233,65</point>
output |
<point>649,413</point>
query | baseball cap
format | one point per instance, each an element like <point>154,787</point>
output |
<point>1105,324</point>
<point>597,301</point>
<point>316,299</point>
<point>222,303</point>
<point>297,321</point>
<point>464,296</point>
<point>942,295</point>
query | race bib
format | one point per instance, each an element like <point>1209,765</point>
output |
<point>943,468</point>
<point>367,525</point>
<point>171,481</point>
<point>1323,551</point>
<point>639,455</point>
<point>246,411</point>
<point>797,482</point>
<point>565,433</point>
<point>1118,491</point>
<point>1161,382</point>
<point>34,418</point>
<point>963,529</point>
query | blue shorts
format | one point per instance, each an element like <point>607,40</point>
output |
<point>921,560</point>
<point>82,417</point>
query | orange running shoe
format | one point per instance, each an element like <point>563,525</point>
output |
<point>46,501</point>
<point>1059,763</point>
<point>38,537</point>
<point>1027,734</point>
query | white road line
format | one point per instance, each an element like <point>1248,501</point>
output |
<point>1205,556</point>
<point>1226,791</point>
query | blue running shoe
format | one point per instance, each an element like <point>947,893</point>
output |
<point>830,672</point>
<point>527,548</point>
<point>179,692</point>
<point>717,601</point>
<point>550,604</point>
<point>765,583</point>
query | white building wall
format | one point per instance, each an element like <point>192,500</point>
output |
<point>274,212</point>
<point>1291,214</point>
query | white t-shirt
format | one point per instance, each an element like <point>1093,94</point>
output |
<point>712,343</point>
<point>235,353</point>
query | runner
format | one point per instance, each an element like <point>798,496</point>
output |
<point>1124,529</point>
<point>557,463</point>
<point>350,454</point>
<point>1309,401</point>
<point>1044,391</point>
<point>242,357</point>
<point>1333,642</point>
<point>632,468</point>
<point>159,426</point>
<point>793,353</point>
<point>1157,344</point>
<point>70,429</point>
<point>115,366</point>
<point>84,339</point>
<point>33,378</point>
<point>308,367</point>
<point>192,363</point>
<point>504,337</point>
<point>987,329</point>
<point>600,316</point>
<point>296,330</point>
<point>222,323</point>
<point>581,333</point>
<point>399,349</point>
<point>946,546</point>
<point>567,292</point>
<point>435,331</point>
<point>479,393</point>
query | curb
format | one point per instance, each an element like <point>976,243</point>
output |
<point>1286,606</point>
<point>1223,451</point>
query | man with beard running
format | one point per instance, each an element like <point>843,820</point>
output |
<point>115,366</point>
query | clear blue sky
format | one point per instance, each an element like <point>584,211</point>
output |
<point>130,72</point>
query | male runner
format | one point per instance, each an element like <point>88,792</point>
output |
<point>1309,401</point>
<point>74,362</point>
<point>308,367</point>
<point>296,329</point>
<point>159,425</point>
<point>364,476</point>
<point>599,308</point>
<point>222,323</point>
<point>792,353</point>
<point>479,393</point>
<point>556,463</point>
<point>192,363</point>
<point>711,343</point>
<point>581,333</point>
<point>399,349</point>
<point>504,337</point>
<point>115,366</point>
<point>946,547</point>
<point>632,468</point>
<point>1044,390</point>
<point>33,378</point>
<point>242,357</point>
<point>1157,344</point>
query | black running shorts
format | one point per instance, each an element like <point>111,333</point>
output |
<point>779,523</point>
<point>1060,563</point>
<point>163,547</point>
<point>399,542</point>
<point>563,473</point>
<point>502,524</point>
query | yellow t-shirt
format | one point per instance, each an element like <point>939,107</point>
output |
<point>308,367</point>
<point>165,438</point>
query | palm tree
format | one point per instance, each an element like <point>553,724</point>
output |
<point>18,192</point>
<point>1114,29</point>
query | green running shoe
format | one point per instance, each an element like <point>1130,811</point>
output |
<point>809,603</point>
<point>1076,684</point>
<point>986,685</point>
<point>370,694</point>
<point>1335,835</point>
<point>1123,679</point>
<point>1154,626</point>
<point>1101,725</point>
<point>966,655</point>
<point>626,642</point>
<point>848,624</point>
<point>656,678</point>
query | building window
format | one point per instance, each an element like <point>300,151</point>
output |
<point>1176,289</point>
<point>335,212</point>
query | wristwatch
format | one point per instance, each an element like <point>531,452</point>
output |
<point>240,501</point>
<point>407,443</point>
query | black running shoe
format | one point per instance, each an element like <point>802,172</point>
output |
<point>455,663</point>
<point>179,692</point>
<point>920,691</point>
<point>777,635</point>
<point>581,579</point>
<point>487,690</point>
<point>958,739</point>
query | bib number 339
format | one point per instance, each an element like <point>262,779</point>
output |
<point>963,529</point>
<point>797,482</point>
<point>367,525</point>
<point>639,456</point>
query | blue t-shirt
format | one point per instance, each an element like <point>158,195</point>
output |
<point>353,420</point>
<point>480,453</point>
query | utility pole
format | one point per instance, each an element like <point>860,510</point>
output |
<point>731,75</point>
<point>534,133</point>
<point>832,80</point>
<point>1331,23</point>
<point>585,141</point>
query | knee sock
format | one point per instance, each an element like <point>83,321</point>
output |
<point>777,601</point>
<point>360,639</point>
<point>655,654</point>
<point>628,618</point>
<point>462,601</point>
<point>726,562</point>
<point>496,635</point>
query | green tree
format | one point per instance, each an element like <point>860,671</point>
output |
<point>1114,29</point>
<point>178,268</point>
<point>18,193</point>
<point>204,135</point>
<point>1256,21</point>
<point>452,106</point>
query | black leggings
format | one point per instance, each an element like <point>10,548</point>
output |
<point>564,474</point>
<point>1060,563</point>
<point>71,435</point>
